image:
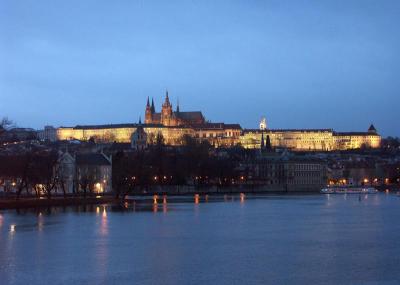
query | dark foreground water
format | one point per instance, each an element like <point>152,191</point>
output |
<point>292,239</point>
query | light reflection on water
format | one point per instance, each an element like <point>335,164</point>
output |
<point>227,239</point>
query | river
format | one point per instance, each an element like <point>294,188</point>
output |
<point>231,239</point>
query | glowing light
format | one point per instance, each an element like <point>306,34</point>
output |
<point>196,198</point>
<point>98,197</point>
<point>12,228</point>
<point>376,180</point>
<point>165,199</point>
<point>155,178</point>
<point>387,180</point>
<point>104,213</point>
<point>387,191</point>
<point>155,197</point>
<point>242,196</point>
<point>366,180</point>
<point>97,210</point>
<point>13,184</point>
<point>242,178</point>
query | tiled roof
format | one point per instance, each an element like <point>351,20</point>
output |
<point>354,134</point>
<point>92,159</point>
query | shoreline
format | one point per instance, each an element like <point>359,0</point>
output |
<point>7,203</point>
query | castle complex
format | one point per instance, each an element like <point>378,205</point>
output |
<point>174,125</point>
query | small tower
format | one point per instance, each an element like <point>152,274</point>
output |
<point>263,124</point>
<point>372,129</point>
<point>139,138</point>
<point>177,105</point>
<point>148,119</point>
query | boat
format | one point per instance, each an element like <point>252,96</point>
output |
<point>349,190</point>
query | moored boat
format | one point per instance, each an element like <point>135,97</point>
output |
<point>349,190</point>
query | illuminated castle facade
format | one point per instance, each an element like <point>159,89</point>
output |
<point>174,125</point>
<point>310,139</point>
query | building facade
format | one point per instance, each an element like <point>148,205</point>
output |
<point>174,125</point>
<point>311,139</point>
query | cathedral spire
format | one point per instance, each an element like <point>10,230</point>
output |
<point>140,120</point>
<point>148,102</point>
<point>153,109</point>
<point>167,98</point>
<point>177,105</point>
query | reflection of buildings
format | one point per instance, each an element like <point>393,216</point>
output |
<point>173,125</point>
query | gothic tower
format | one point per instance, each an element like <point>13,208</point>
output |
<point>166,112</point>
<point>148,114</point>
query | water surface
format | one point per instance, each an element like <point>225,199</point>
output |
<point>275,239</point>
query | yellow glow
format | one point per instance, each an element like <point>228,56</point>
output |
<point>155,197</point>
<point>196,198</point>
<point>97,210</point>
<point>104,213</point>
<point>366,180</point>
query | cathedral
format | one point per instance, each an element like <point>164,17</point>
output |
<point>168,117</point>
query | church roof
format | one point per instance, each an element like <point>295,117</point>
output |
<point>92,159</point>
<point>217,126</point>
<point>191,116</point>
<point>354,134</point>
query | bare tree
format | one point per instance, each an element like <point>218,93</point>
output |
<point>6,123</point>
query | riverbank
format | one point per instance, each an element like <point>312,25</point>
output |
<point>12,203</point>
<point>160,191</point>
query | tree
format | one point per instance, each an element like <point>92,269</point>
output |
<point>6,123</point>
<point>44,174</point>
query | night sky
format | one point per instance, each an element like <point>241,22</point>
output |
<point>302,64</point>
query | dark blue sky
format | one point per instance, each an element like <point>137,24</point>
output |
<point>302,64</point>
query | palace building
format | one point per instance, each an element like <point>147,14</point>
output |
<point>174,125</point>
<point>311,139</point>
